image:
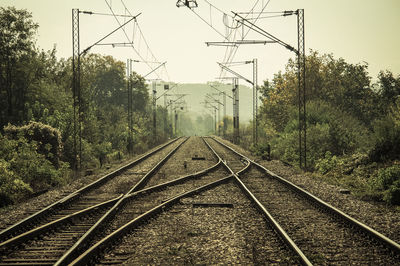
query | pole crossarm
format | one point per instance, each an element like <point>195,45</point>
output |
<point>214,87</point>
<point>119,44</point>
<point>236,43</point>
<point>96,43</point>
<point>104,14</point>
<point>235,73</point>
<point>177,99</point>
<point>155,69</point>
<point>168,91</point>
<point>213,99</point>
<point>259,30</point>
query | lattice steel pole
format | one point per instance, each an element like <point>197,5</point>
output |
<point>76,94</point>
<point>224,117</point>
<point>154,111</point>
<point>302,89</point>
<point>255,106</point>
<point>235,91</point>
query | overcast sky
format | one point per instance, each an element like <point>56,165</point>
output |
<point>357,30</point>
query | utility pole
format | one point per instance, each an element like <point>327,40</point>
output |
<point>130,105</point>
<point>255,103</point>
<point>301,61</point>
<point>235,92</point>
<point>76,89</point>
<point>301,67</point>
<point>154,110</point>
<point>209,105</point>
<point>224,104</point>
<point>219,108</point>
<point>76,78</point>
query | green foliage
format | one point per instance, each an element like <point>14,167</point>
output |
<point>25,170</point>
<point>263,150</point>
<point>326,164</point>
<point>48,139</point>
<point>387,136</point>
<point>387,182</point>
<point>12,187</point>
<point>17,67</point>
<point>328,130</point>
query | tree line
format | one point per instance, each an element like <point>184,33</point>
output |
<point>37,117</point>
<point>353,124</point>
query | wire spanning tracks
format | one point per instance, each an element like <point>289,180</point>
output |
<point>66,226</point>
<point>324,234</point>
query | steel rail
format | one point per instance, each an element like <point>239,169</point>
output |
<point>33,218</point>
<point>176,181</point>
<point>46,227</point>
<point>73,252</point>
<point>352,221</point>
<point>117,234</point>
<point>54,224</point>
<point>281,232</point>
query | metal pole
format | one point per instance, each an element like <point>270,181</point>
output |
<point>224,118</point>
<point>154,111</point>
<point>235,91</point>
<point>302,89</point>
<point>215,120</point>
<point>255,101</point>
<point>129,105</point>
<point>176,121</point>
<point>76,84</point>
<point>219,118</point>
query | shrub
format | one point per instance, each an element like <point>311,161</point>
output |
<point>23,170</point>
<point>327,163</point>
<point>48,139</point>
<point>11,186</point>
<point>387,136</point>
<point>387,183</point>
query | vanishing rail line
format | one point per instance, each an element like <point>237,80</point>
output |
<point>324,233</point>
<point>153,203</point>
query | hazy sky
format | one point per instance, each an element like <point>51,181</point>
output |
<point>357,30</point>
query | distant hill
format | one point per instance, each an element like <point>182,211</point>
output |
<point>196,95</point>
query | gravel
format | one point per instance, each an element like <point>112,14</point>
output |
<point>209,235</point>
<point>14,213</point>
<point>385,219</point>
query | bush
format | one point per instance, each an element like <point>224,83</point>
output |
<point>327,163</point>
<point>328,129</point>
<point>11,186</point>
<point>23,170</point>
<point>48,139</point>
<point>387,183</point>
<point>387,136</point>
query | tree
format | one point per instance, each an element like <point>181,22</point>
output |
<point>17,47</point>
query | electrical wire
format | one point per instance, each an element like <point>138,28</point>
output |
<point>126,35</point>
<point>146,43</point>
<point>234,50</point>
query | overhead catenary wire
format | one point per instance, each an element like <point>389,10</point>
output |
<point>145,41</point>
<point>233,50</point>
<point>129,40</point>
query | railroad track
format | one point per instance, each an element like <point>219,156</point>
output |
<point>59,225</point>
<point>325,234</point>
<point>167,202</point>
<point>89,195</point>
<point>154,203</point>
<point>62,238</point>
